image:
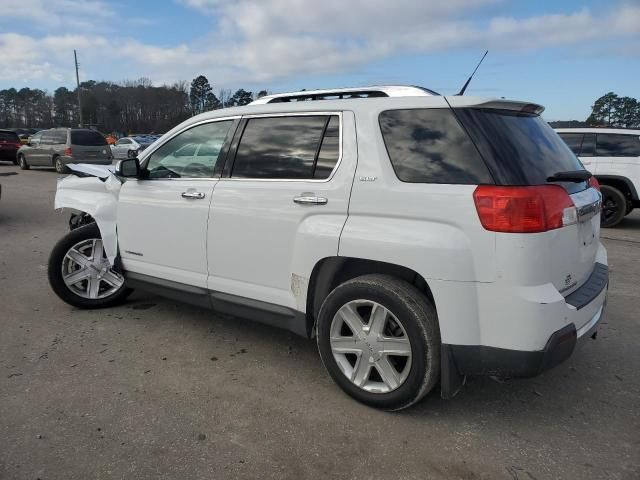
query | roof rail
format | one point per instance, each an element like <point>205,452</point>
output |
<point>344,93</point>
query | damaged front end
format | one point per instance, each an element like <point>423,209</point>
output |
<point>92,191</point>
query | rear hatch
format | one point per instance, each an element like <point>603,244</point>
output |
<point>88,145</point>
<point>9,141</point>
<point>521,149</point>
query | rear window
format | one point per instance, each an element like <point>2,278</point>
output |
<point>615,145</point>
<point>9,137</point>
<point>519,148</point>
<point>87,138</point>
<point>430,146</point>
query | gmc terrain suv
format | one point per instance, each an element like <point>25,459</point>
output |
<point>613,156</point>
<point>419,238</point>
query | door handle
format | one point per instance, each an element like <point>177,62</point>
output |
<point>193,195</point>
<point>310,200</point>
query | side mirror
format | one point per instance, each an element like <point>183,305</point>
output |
<point>128,168</point>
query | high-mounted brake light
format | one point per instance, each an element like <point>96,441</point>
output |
<point>68,152</point>
<point>524,209</point>
<point>593,182</point>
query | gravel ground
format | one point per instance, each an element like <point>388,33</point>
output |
<point>157,389</point>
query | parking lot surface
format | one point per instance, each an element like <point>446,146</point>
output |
<point>158,389</point>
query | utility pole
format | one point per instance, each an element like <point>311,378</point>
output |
<point>75,56</point>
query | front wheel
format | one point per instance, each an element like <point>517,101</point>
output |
<point>614,206</point>
<point>379,340</point>
<point>80,273</point>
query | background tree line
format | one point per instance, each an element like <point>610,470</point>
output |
<point>138,106</point>
<point>130,106</point>
<point>609,110</point>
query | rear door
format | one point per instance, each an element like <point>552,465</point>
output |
<point>281,204</point>
<point>619,154</point>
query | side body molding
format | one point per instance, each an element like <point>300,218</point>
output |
<point>98,198</point>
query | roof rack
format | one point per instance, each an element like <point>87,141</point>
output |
<point>344,93</point>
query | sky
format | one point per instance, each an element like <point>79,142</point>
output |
<point>562,54</point>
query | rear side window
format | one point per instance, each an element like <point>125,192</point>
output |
<point>9,137</point>
<point>615,145</point>
<point>573,141</point>
<point>87,138</point>
<point>519,148</point>
<point>294,147</point>
<point>430,146</point>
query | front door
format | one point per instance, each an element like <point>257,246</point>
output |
<point>162,218</point>
<point>280,205</point>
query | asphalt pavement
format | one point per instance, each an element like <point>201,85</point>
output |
<point>157,389</point>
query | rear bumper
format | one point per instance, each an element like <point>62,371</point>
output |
<point>500,362</point>
<point>459,361</point>
<point>94,161</point>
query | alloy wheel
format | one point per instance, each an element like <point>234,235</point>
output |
<point>609,207</point>
<point>370,346</point>
<point>87,273</point>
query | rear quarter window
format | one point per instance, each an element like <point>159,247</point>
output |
<point>87,138</point>
<point>430,146</point>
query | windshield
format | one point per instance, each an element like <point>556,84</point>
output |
<point>519,148</point>
<point>87,138</point>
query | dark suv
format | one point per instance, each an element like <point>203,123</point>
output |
<point>9,145</point>
<point>59,146</point>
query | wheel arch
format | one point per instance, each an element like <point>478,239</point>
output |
<point>621,183</point>
<point>330,272</point>
<point>96,198</point>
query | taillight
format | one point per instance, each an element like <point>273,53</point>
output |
<point>593,183</point>
<point>68,152</point>
<point>524,209</point>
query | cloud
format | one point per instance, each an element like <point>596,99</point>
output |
<point>262,41</point>
<point>57,14</point>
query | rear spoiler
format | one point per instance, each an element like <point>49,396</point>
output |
<point>497,103</point>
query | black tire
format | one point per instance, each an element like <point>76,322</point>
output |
<point>59,166</point>
<point>420,322</point>
<point>15,160</point>
<point>57,283</point>
<point>22,161</point>
<point>614,206</point>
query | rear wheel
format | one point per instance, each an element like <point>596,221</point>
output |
<point>379,340</point>
<point>80,273</point>
<point>60,167</point>
<point>614,206</point>
<point>22,161</point>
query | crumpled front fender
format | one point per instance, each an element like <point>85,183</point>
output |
<point>97,197</point>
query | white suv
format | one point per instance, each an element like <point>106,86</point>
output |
<point>419,238</point>
<point>613,156</point>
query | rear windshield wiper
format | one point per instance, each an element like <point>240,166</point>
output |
<point>571,176</point>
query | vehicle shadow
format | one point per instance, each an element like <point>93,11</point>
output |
<point>479,398</point>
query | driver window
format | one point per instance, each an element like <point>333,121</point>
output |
<point>191,154</point>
